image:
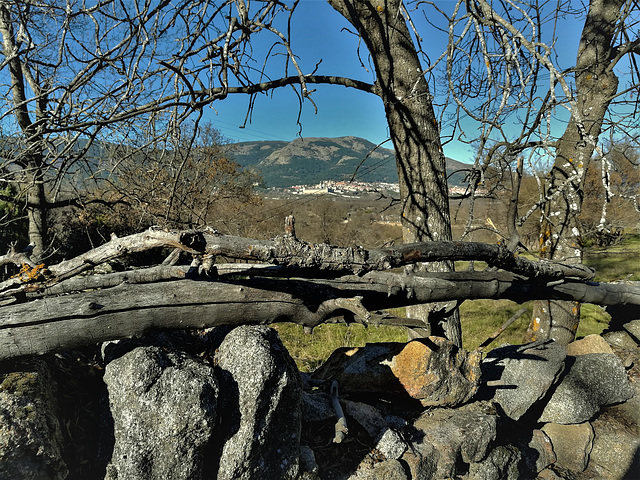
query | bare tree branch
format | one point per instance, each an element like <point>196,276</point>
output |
<point>289,251</point>
<point>53,323</point>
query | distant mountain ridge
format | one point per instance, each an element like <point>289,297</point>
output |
<point>308,161</point>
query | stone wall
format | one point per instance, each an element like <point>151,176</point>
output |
<point>230,404</point>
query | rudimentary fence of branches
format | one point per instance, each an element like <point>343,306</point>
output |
<point>58,307</point>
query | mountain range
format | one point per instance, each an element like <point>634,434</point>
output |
<point>308,161</point>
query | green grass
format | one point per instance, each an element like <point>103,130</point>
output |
<point>480,318</point>
<point>593,320</point>
<point>619,262</point>
<point>310,350</point>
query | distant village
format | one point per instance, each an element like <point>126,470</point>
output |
<point>358,188</point>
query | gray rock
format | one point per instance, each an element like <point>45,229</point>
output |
<point>31,440</point>
<point>391,444</point>
<point>163,406</point>
<point>367,416</point>
<point>316,407</point>
<point>620,339</point>
<point>262,394</point>
<point>500,464</point>
<point>616,447</point>
<point>395,421</point>
<point>446,437</point>
<point>526,372</point>
<point>589,382</point>
<point>308,464</point>
<point>387,470</point>
<point>571,443</point>
<point>633,327</point>
<point>630,410</point>
<point>423,464</point>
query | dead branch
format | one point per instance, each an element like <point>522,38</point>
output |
<point>501,330</point>
<point>288,250</point>
<point>341,429</point>
<point>50,322</point>
<point>13,257</point>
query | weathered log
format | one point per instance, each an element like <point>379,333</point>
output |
<point>426,287</point>
<point>51,323</point>
<point>68,321</point>
<point>13,257</point>
<point>287,250</point>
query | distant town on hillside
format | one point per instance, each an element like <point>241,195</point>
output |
<point>342,164</point>
<point>359,188</point>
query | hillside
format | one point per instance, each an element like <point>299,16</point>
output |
<point>310,160</point>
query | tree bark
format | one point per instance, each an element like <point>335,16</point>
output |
<point>37,210</point>
<point>34,181</point>
<point>284,250</point>
<point>413,128</point>
<point>596,85</point>
<point>53,323</point>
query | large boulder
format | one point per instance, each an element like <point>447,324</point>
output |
<point>589,344</point>
<point>616,447</point>
<point>615,454</point>
<point>31,441</point>
<point>258,431</point>
<point>521,375</point>
<point>500,464</point>
<point>163,406</point>
<point>633,327</point>
<point>444,439</point>
<point>572,444</point>
<point>432,371</point>
<point>589,382</point>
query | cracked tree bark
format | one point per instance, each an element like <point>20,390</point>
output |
<point>415,134</point>
<point>55,308</point>
<point>596,86</point>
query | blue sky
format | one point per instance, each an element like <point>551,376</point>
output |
<point>341,111</point>
<point>317,35</point>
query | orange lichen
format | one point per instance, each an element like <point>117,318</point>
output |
<point>28,274</point>
<point>576,309</point>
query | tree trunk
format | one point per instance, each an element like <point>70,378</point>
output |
<point>560,239</point>
<point>414,131</point>
<point>33,171</point>
<point>37,212</point>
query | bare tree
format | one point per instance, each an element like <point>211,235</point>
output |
<point>81,76</point>
<point>506,76</point>
<point>110,65</point>
<point>115,69</point>
<point>75,73</point>
<point>183,180</point>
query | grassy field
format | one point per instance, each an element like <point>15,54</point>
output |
<point>480,318</point>
<point>619,262</point>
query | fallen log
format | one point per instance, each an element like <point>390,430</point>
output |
<point>49,322</point>
<point>289,251</point>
